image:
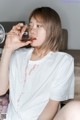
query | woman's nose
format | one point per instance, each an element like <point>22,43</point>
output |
<point>32,29</point>
<point>33,26</point>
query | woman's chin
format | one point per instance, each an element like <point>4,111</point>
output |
<point>34,45</point>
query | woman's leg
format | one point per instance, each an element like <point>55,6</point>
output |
<point>70,111</point>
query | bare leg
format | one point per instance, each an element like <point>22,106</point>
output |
<point>71,111</point>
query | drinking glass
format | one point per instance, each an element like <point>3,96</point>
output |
<point>3,34</point>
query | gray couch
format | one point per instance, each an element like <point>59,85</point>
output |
<point>76,55</point>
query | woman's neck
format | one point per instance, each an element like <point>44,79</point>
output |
<point>38,53</point>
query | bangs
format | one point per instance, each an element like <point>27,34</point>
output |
<point>39,18</point>
<point>38,15</point>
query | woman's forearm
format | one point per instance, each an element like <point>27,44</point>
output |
<point>4,70</point>
<point>49,111</point>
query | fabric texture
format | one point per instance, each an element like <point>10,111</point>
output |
<point>33,83</point>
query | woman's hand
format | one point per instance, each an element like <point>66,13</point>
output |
<point>13,40</point>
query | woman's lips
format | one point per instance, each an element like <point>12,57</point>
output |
<point>32,39</point>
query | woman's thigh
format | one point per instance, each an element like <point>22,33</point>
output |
<point>70,111</point>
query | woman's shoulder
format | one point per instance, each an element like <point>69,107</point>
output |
<point>61,56</point>
<point>66,54</point>
<point>61,59</point>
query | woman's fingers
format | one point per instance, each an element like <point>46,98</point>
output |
<point>19,29</point>
<point>25,43</point>
<point>14,37</point>
<point>23,30</point>
<point>18,26</point>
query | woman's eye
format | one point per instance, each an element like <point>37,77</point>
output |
<point>39,26</point>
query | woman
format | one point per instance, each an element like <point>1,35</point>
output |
<point>40,77</point>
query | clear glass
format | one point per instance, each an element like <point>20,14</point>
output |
<point>3,35</point>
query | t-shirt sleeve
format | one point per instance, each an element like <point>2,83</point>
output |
<point>63,86</point>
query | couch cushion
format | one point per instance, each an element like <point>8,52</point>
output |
<point>77,83</point>
<point>76,55</point>
<point>64,40</point>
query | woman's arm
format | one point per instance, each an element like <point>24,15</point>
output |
<point>50,110</point>
<point>13,42</point>
<point>4,69</point>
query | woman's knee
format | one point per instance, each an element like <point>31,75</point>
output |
<point>73,106</point>
<point>72,110</point>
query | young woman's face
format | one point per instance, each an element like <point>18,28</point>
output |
<point>37,33</point>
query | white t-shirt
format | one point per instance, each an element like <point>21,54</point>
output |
<point>33,83</point>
